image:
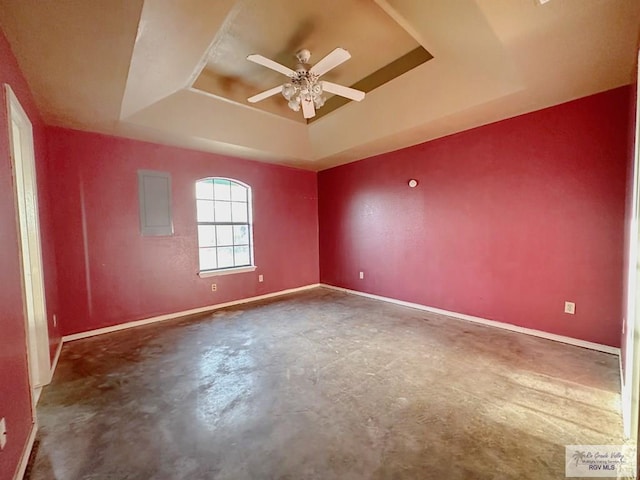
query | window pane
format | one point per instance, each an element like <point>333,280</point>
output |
<point>240,235</point>
<point>225,234</point>
<point>225,257</point>
<point>205,210</point>
<point>238,193</point>
<point>239,212</point>
<point>222,189</point>
<point>221,202</point>
<point>206,235</point>
<point>242,255</point>
<point>223,211</point>
<point>208,259</point>
<point>204,189</point>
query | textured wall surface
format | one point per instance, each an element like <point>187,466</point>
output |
<point>15,399</point>
<point>509,220</point>
<point>111,274</point>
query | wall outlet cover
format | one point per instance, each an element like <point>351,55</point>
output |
<point>570,308</point>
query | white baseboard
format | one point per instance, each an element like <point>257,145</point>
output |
<point>161,318</point>
<point>484,321</point>
<point>26,453</point>
<point>54,364</point>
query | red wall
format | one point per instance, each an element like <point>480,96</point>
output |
<point>15,400</point>
<point>509,220</point>
<point>111,274</point>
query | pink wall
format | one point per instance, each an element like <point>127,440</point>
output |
<point>509,220</point>
<point>15,400</point>
<point>111,274</point>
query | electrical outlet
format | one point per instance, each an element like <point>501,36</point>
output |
<point>3,433</point>
<point>361,275</point>
<point>260,278</point>
<point>570,308</point>
<point>214,287</point>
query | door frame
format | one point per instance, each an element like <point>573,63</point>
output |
<point>631,374</point>
<point>22,153</point>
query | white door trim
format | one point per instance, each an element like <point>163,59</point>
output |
<point>26,194</point>
<point>631,376</point>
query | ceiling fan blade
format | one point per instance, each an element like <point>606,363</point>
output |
<point>343,91</point>
<point>335,58</point>
<point>308,110</point>
<point>266,94</point>
<point>265,62</point>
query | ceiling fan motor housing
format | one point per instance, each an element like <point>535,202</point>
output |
<point>303,56</point>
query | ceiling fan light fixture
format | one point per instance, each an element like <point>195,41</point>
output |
<point>304,87</point>
<point>294,104</point>
<point>288,91</point>
<point>304,83</point>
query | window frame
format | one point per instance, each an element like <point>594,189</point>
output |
<point>249,223</point>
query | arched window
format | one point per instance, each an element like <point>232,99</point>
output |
<point>225,240</point>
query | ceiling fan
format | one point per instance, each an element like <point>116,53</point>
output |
<point>304,89</point>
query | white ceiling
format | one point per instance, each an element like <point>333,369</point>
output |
<point>128,67</point>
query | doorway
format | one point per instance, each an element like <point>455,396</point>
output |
<point>26,194</point>
<point>631,374</point>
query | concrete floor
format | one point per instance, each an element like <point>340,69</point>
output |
<point>322,385</point>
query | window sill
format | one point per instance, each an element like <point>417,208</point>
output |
<point>227,271</point>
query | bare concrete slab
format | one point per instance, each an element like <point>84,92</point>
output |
<point>322,385</point>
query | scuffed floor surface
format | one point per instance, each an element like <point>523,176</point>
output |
<point>322,385</point>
